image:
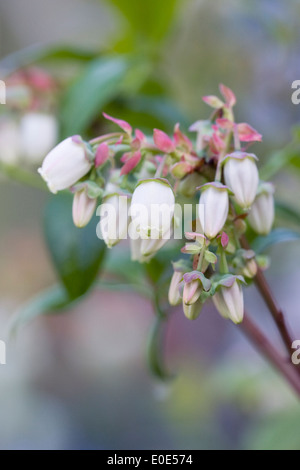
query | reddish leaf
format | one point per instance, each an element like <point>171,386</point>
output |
<point>131,163</point>
<point>213,101</point>
<point>247,133</point>
<point>140,135</point>
<point>163,141</point>
<point>123,124</point>
<point>181,139</point>
<point>224,123</point>
<point>228,94</point>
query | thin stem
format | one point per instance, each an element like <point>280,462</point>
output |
<point>223,263</point>
<point>237,143</point>
<point>103,138</point>
<point>16,173</point>
<point>275,310</point>
<point>222,155</point>
<point>201,258</point>
<point>277,314</point>
<point>160,167</point>
<point>271,353</point>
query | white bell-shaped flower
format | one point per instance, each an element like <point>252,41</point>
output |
<point>10,147</point>
<point>114,219</point>
<point>38,134</point>
<point>241,177</point>
<point>229,299</point>
<point>152,210</point>
<point>65,164</point>
<point>261,215</point>
<point>213,208</point>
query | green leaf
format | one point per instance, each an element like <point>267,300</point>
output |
<point>100,82</point>
<point>147,20</point>
<point>282,159</point>
<point>288,213</point>
<point>279,235</point>
<point>52,300</point>
<point>154,350</point>
<point>33,54</point>
<point>276,431</point>
<point>77,253</point>
<point>154,269</point>
<point>119,264</point>
<point>161,109</point>
<point>210,257</point>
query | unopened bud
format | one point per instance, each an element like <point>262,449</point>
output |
<point>174,294</point>
<point>83,208</point>
<point>250,268</point>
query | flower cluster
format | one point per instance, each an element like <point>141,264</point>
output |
<point>133,173</point>
<point>28,126</point>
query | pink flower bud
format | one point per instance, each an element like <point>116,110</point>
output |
<point>229,300</point>
<point>83,208</point>
<point>174,294</point>
<point>261,216</point>
<point>194,283</point>
<point>213,208</point>
<point>102,154</point>
<point>65,164</point>
<point>38,134</point>
<point>191,291</point>
<point>241,176</point>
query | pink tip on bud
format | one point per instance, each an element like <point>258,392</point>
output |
<point>228,95</point>
<point>163,141</point>
<point>102,154</point>
<point>76,139</point>
<point>224,240</point>
<point>131,163</point>
<point>123,124</point>
<point>247,133</point>
<point>213,101</point>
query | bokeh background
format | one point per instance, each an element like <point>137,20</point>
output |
<point>79,379</point>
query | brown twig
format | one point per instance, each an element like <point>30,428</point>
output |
<point>264,288</point>
<point>267,349</point>
<point>277,314</point>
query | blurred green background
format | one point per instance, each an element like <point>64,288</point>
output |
<point>79,380</point>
